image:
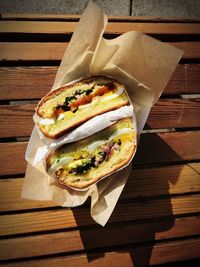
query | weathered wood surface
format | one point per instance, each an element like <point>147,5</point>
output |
<point>150,254</point>
<point>64,218</point>
<point>148,182</point>
<point>43,51</point>
<point>78,240</point>
<point>49,27</point>
<point>39,81</point>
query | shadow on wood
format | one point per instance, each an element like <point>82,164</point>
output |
<point>137,219</point>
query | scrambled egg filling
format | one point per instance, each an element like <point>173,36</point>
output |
<point>88,157</point>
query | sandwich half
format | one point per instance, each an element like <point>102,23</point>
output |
<point>63,109</point>
<point>85,162</point>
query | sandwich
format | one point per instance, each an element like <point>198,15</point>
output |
<point>83,163</point>
<point>65,108</point>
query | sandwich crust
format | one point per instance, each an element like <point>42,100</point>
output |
<point>114,163</point>
<point>70,124</point>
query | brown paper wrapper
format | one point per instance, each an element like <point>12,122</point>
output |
<point>143,64</point>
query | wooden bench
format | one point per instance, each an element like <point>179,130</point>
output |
<point>157,219</point>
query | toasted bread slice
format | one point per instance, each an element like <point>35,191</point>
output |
<point>65,108</point>
<point>85,162</point>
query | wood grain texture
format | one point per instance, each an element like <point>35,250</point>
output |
<point>39,80</point>
<point>46,244</point>
<point>54,51</point>
<point>167,113</point>
<point>185,80</point>
<point>46,27</point>
<point>168,147</point>
<point>141,256</point>
<point>12,158</point>
<point>149,182</point>
<point>65,218</point>
<point>153,148</point>
<point>10,197</point>
<point>175,113</point>
<point>32,51</point>
<point>16,120</point>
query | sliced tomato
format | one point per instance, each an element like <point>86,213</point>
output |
<point>58,111</point>
<point>81,101</point>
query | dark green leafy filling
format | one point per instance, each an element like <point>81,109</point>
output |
<point>66,105</point>
<point>96,160</point>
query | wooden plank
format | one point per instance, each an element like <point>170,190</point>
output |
<point>22,16</point>
<point>39,80</point>
<point>185,80</point>
<point>26,82</point>
<point>153,28</point>
<point>47,244</point>
<point>54,51</point>
<point>65,218</point>
<point>176,251</point>
<point>168,147</point>
<point>12,156</point>
<point>32,51</point>
<point>151,182</point>
<point>19,120</point>
<point>10,197</point>
<point>26,16</point>
<point>178,179</point>
<point>153,148</point>
<point>55,27</point>
<point>175,113</point>
<point>159,253</point>
<point>167,113</point>
<point>190,49</point>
